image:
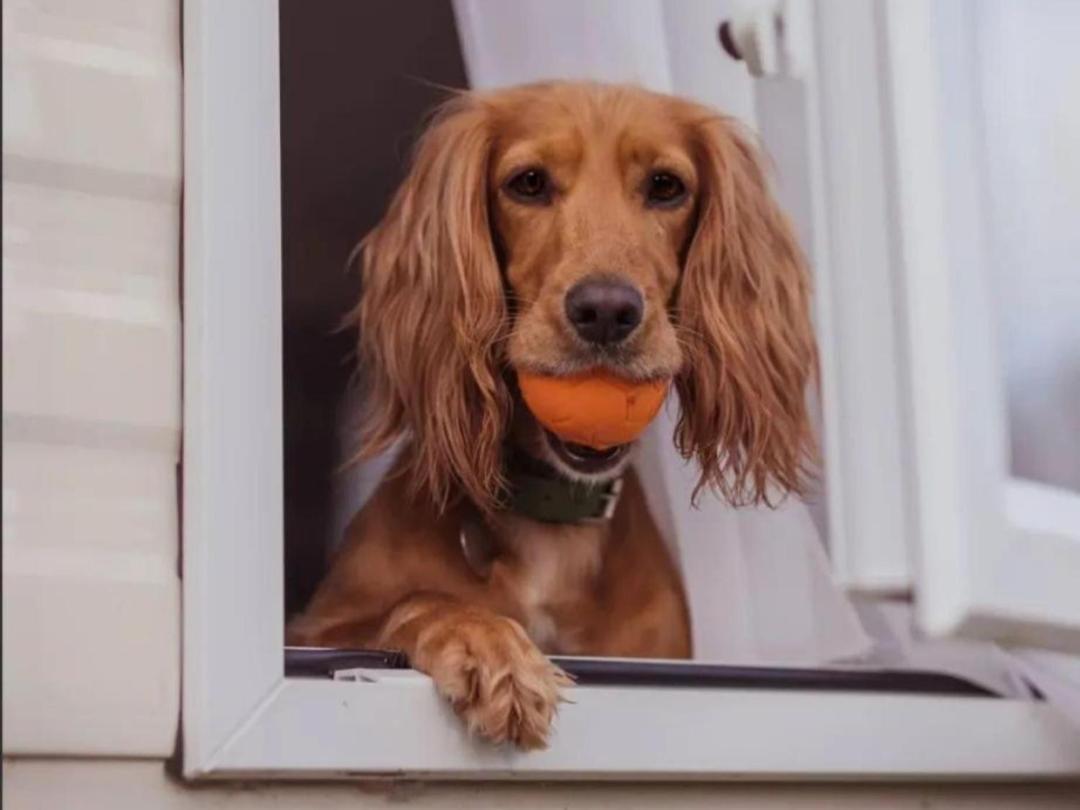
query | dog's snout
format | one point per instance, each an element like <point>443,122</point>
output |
<point>604,310</point>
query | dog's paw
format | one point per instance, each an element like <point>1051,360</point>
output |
<point>497,680</point>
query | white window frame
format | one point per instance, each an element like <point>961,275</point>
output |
<point>242,717</point>
<point>996,557</point>
<point>866,454</point>
<point>920,494</point>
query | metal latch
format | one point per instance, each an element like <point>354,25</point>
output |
<point>771,36</point>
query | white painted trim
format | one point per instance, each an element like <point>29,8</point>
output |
<point>241,717</point>
<point>232,492</point>
<point>854,255</point>
<point>403,729</point>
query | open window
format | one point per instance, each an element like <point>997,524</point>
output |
<point>989,291</point>
<point>264,286</point>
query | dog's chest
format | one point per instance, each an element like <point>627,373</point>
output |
<point>549,573</point>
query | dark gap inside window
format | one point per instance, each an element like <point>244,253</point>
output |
<point>357,80</point>
<point>323,663</point>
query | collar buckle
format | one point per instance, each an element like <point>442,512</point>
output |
<point>609,501</point>
<point>534,490</point>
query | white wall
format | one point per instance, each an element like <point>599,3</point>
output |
<point>91,376</point>
<point>102,785</point>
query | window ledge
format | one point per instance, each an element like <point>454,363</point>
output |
<point>399,727</point>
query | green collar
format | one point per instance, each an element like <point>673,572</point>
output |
<point>536,491</point>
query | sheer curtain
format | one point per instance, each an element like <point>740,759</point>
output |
<point>757,578</point>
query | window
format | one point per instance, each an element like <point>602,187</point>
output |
<point>244,716</point>
<point>984,297</point>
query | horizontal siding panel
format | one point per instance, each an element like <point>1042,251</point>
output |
<point>90,368</point>
<point>89,666</point>
<point>91,341</point>
<point>90,625</point>
<point>63,497</point>
<point>83,88</point>
<point>55,237</point>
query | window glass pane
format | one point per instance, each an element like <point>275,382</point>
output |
<point>1029,69</point>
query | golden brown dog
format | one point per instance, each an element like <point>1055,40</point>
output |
<point>558,228</point>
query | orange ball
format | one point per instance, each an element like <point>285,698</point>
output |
<point>596,409</point>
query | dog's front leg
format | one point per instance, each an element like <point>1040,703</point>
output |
<point>497,680</point>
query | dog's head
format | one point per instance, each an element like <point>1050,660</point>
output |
<point>562,227</point>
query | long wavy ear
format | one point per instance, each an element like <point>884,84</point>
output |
<point>432,317</point>
<point>743,313</point>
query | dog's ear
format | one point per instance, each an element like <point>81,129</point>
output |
<point>743,313</point>
<point>432,316</point>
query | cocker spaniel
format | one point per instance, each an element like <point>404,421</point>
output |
<point>557,228</point>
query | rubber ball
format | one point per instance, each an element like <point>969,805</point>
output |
<point>597,409</point>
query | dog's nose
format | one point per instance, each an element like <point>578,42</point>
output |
<point>603,311</point>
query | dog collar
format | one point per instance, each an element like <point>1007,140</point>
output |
<point>536,491</point>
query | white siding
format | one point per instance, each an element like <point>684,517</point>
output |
<point>91,430</point>
<point>46,785</point>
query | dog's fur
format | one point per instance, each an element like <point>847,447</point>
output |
<point>464,282</point>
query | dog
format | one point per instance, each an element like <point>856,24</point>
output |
<point>558,228</point>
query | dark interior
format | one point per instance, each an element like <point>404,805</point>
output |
<point>357,79</point>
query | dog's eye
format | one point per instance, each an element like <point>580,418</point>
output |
<point>664,188</point>
<point>530,186</point>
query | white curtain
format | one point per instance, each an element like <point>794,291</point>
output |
<point>757,578</point>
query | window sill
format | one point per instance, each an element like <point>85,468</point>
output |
<point>396,726</point>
